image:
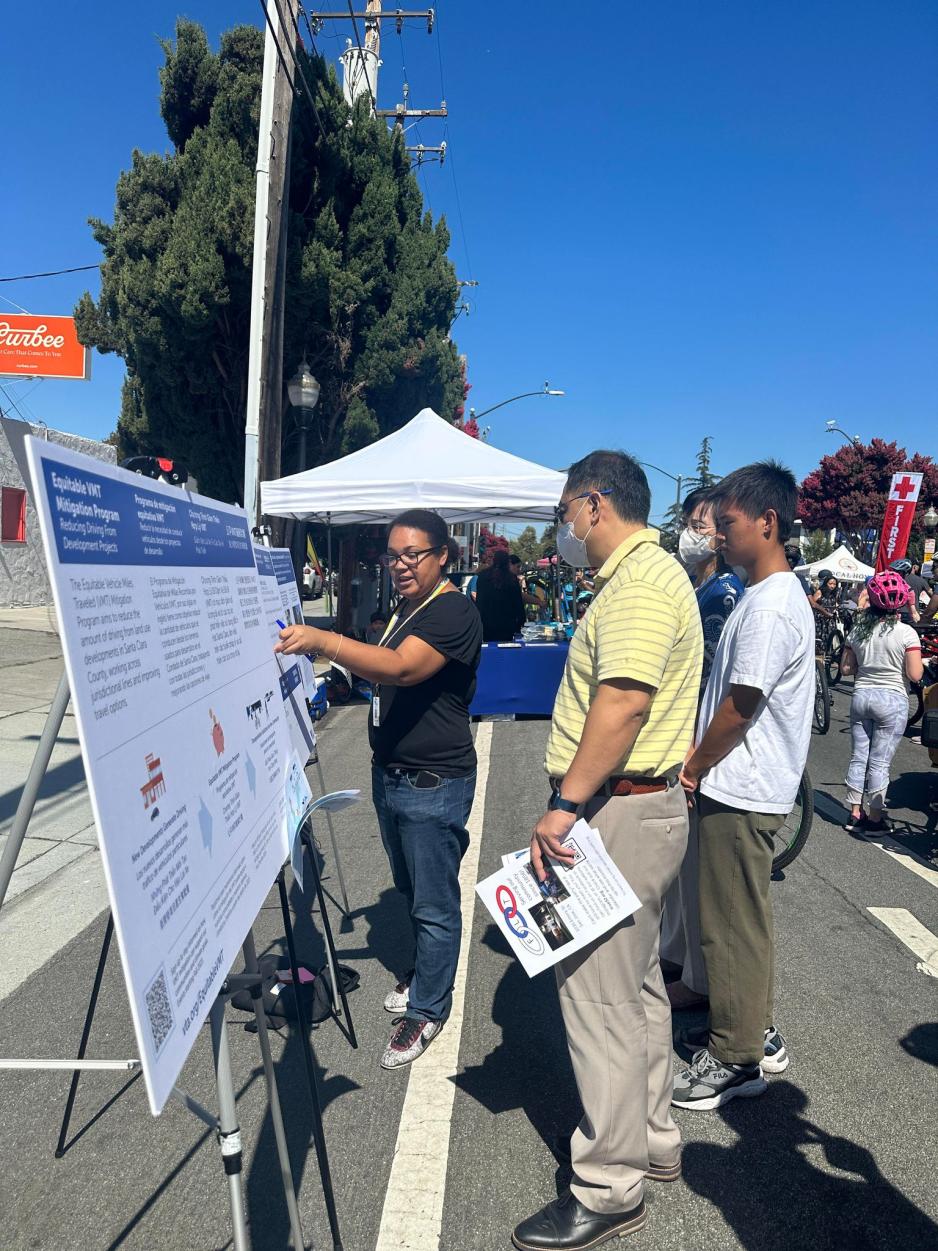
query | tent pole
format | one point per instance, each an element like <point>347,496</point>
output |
<point>329,563</point>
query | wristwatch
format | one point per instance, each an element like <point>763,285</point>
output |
<point>557,801</point>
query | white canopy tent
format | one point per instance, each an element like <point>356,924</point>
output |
<point>842,564</point>
<point>426,464</point>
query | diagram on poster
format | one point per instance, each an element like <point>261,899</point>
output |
<point>292,614</point>
<point>183,734</point>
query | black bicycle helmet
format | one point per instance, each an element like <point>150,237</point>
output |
<point>902,566</point>
<point>825,576</point>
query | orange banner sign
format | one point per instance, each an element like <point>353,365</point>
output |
<point>41,347</point>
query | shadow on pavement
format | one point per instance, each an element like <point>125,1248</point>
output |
<point>770,1174</point>
<point>529,1068</point>
<point>922,1042</point>
<point>56,781</point>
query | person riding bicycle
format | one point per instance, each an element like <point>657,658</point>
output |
<point>826,598</point>
<point>908,612</point>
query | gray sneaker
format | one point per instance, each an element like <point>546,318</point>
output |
<point>396,1002</point>
<point>709,1083</point>
<point>410,1039</point>
<point>776,1058</point>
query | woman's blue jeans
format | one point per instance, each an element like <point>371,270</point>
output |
<point>425,836</point>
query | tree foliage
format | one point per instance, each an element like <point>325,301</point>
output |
<point>702,480</point>
<point>816,546</point>
<point>370,292</point>
<point>849,488</point>
<point>527,546</point>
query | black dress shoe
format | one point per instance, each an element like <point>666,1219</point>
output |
<point>566,1225</point>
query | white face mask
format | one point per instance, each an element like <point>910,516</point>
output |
<point>571,549</point>
<point>694,548</point>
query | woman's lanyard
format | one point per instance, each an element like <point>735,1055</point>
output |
<point>396,623</point>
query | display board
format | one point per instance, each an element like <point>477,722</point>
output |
<point>292,605</point>
<point>182,728</point>
<point>292,685</point>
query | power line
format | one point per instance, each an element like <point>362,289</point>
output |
<point>283,63</point>
<point>361,53</point>
<point>449,153</point>
<point>52,273</point>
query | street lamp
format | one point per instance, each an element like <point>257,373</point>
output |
<point>680,479</point>
<point>547,389</point>
<point>303,391</point>
<point>833,428</point>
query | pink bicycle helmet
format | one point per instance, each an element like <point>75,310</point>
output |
<point>888,591</point>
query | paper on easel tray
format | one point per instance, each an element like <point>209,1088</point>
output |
<point>545,922</point>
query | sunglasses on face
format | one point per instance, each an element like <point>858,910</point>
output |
<point>410,560</point>
<point>560,510</point>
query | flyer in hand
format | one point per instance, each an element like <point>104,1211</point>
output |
<point>182,725</point>
<point>545,922</point>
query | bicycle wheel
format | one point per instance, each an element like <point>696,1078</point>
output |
<point>833,661</point>
<point>822,698</point>
<point>792,836</point>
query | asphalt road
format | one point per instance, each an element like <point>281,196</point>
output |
<point>839,1154</point>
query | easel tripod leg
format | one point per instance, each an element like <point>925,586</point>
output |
<point>85,1035</point>
<point>37,771</point>
<point>273,1095</point>
<point>335,847</point>
<point>229,1132</point>
<point>327,935</point>
<point>318,1132</point>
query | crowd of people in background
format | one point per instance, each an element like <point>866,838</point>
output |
<point>680,732</point>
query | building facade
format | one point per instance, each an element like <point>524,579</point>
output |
<point>24,582</point>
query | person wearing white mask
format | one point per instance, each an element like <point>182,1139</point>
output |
<point>622,722</point>
<point>718,590</point>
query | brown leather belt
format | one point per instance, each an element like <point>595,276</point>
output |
<point>625,786</point>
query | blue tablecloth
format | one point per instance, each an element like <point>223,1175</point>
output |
<point>522,679</point>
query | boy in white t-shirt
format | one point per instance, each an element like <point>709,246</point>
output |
<point>753,736</point>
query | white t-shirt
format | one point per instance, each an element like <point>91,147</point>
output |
<point>881,656</point>
<point>768,644</point>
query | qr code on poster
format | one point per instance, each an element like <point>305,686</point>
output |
<point>578,855</point>
<point>159,1010</point>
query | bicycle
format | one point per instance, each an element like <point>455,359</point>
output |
<point>791,837</point>
<point>928,634</point>
<point>822,697</point>
<point>831,640</point>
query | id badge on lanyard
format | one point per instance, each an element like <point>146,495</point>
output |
<point>376,708</point>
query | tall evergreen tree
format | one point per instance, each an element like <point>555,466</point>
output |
<point>370,291</point>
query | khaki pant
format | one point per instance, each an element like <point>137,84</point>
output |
<point>616,1011</point>
<point>736,928</point>
<point>680,921</point>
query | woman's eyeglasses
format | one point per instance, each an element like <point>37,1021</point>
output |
<point>410,560</point>
<point>560,510</point>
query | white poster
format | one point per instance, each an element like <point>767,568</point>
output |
<point>547,921</point>
<point>181,719</point>
<point>282,562</point>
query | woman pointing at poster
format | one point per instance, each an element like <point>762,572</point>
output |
<point>424,763</point>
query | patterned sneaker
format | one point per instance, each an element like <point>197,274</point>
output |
<point>709,1083</point>
<point>396,1002</point>
<point>777,1058</point>
<point>410,1039</point>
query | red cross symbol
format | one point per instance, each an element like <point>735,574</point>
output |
<point>904,488</point>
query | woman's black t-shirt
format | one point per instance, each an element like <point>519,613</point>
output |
<point>427,726</point>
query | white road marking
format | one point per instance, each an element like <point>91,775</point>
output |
<point>906,857</point>
<point>910,931</point>
<point>413,1206</point>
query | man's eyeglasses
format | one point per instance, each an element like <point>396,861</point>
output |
<point>560,510</point>
<point>410,560</point>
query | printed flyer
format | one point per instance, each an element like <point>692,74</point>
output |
<point>182,727</point>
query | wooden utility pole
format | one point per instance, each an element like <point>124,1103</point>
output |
<point>263,423</point>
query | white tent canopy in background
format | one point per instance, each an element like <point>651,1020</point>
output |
<point>843,565</point>
<point>426,464</point>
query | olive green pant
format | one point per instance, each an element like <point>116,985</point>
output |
<point>736,927</point>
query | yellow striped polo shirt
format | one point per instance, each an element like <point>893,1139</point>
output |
<point>643,624</point>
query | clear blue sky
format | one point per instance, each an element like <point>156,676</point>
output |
<point>696,218</point>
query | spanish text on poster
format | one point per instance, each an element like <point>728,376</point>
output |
<point>182,729</point>
<point>544,922</point>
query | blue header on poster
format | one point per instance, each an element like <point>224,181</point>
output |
<point>101,520</point>
<point>283,566</point>
<point>265,566</point>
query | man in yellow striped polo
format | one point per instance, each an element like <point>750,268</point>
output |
<point>622,725</point>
